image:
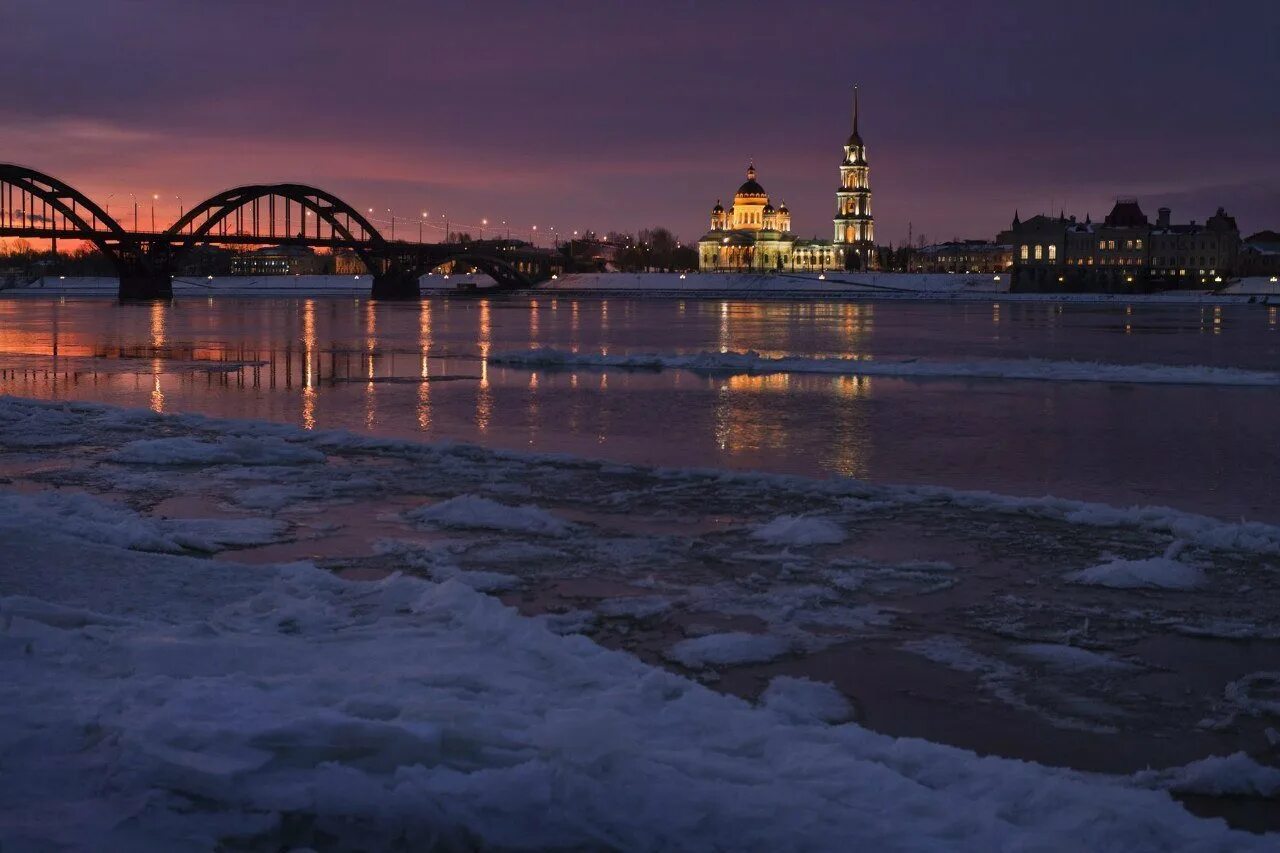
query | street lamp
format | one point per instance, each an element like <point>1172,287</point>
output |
<point>135,211</point>
<point>483,223</point>
<point>420,222</point>
<point>154,198</point>
<point>181,209</point>
<point>393,223</point>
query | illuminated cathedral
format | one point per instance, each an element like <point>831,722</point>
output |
<point>753,235</point>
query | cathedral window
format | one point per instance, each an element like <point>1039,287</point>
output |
<point>1039,253</point>
<point>1053,253</point>
<point>1025,251</point>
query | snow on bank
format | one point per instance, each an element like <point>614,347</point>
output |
<point>1035,369</point>
<point>299,707</point>
<point>474,512</point>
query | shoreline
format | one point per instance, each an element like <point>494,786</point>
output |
<point>883,287</point>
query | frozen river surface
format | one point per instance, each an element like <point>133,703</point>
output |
<point>963,395</point>
<point>1061,546</point>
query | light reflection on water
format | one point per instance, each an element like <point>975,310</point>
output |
<point>421,370</point>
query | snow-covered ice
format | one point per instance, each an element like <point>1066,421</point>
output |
<point>1151,573</point>
<point>1037,369</point>
<point>472,511</point>
<point>155,698</point>
<point>799,531</point>
<point>734,647</point>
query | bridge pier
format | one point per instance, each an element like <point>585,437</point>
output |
<point>145,286</point>
<point>396,285</point>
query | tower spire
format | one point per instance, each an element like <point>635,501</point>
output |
<point>855,108</point>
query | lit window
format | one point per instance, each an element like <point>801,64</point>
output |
<point>1053,253</point>
<point>1025,249</point>
<point>1138,243</point>
<point>1039,252</point>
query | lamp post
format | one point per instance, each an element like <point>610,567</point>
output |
<point>393,224</point>
<point>446,227</point>
<point>420,223</point>
<point>181,209</point>
<point>483,223</point>
<point>135,211</point>
<point>154,198</point>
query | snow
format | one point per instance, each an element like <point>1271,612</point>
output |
<point>800,700</point>
<point>1070,657</point>
<point>1151,573</point>
<point>732,648</point>
<point>233,450</point>
<point>694,285</point>
<point>83,516</point>
<point>799,531</point>
<point>472,511</point>
<point>155,700</point>
<point>751,362</point>
<point>1217,776</point>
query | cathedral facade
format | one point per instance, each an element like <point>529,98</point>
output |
<point>753,235</point>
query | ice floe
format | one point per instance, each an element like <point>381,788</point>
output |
<point>800,531</point>
<point>472,511</point>
<point>733,647</point>
<point>1035,369</point>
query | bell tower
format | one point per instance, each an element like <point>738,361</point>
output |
<point>854,224</point>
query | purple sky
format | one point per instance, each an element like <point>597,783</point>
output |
<point>613,114</point>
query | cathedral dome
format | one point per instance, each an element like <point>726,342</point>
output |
<point>719,208</point>
<point>750,187</point>
<point>768,208</point>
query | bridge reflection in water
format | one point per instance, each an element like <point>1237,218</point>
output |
<point>396,369</point>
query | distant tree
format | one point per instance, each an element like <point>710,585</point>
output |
<point>659,246</point>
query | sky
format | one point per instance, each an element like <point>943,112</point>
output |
<point>622,115</point>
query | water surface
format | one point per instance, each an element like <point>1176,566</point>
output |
<point>419,370</point>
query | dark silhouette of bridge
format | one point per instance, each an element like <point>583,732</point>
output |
<point>36,205</point>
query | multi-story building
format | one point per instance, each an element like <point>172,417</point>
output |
<point>963,256</point>
<point>278,260</point>
<point>1192,253</point>
<point>1124,252</point>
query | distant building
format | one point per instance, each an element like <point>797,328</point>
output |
<point>1124,252</point>
<point>347,262</point>
<point>963,256</point>
<point>854,225</point>
<point>278,260</point>
<point>1199,253</point>
<point>754,235</point>
<point>1260,254</point>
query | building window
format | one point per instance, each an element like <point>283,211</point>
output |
<point>1039,252</point>
<point>1024,252</point>
<point>1138,243</point>
<point>1053,253</point>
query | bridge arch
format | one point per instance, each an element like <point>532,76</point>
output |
<point>348,228</point>
<point>503,272</point>
<point>82,218</point>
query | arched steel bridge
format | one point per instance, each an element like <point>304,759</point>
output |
<point>36,205</point>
